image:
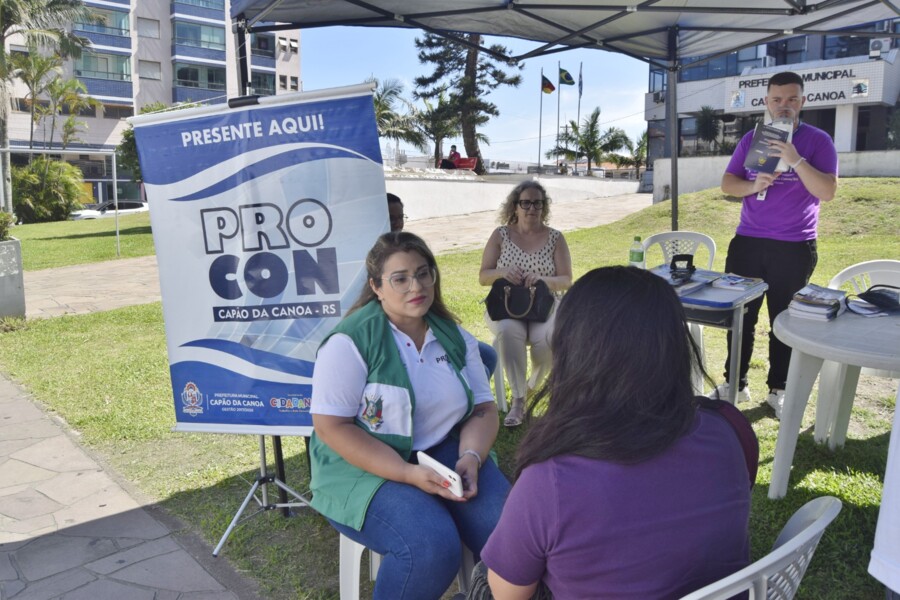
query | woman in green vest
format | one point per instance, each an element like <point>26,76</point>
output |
<point>399,375</point>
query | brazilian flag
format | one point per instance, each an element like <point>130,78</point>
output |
<point>565,78</point>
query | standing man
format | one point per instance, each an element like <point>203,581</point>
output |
<point>776,237</point>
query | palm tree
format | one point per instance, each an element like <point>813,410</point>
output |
<point>43,23</point>
<point>438,122</point>
<point>36,71</point>
<point>393,122</point>
<point>636,157</point>
<point>71,95</point>
<point>708,126</point>
<point>587,141</point>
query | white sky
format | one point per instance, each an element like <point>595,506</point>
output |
<point>338,56</point>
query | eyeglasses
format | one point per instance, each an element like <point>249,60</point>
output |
<point>403,283</point>
<point>398,217</point>
<point>529,204</point>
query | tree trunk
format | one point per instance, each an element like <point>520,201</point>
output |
<point>438,152</point>
<point>470,141</point>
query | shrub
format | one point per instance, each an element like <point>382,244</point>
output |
<point>47,190</point>
<point>6,221</point>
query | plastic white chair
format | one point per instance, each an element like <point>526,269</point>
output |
<point>777,575</point>
<point>351,553</point>
<point>837,382</point>
<point>685,242</point>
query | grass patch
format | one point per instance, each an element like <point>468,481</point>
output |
<point>64,243</point>
<point>109,380</point>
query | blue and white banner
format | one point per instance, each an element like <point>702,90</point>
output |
<point>262,216</point>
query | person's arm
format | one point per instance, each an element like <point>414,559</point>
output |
<point>562,261</point>
<point>478,433</point>
<point>821,185</point>
<point>504,590</point>
<point>489,272</point>
<point>735,185</point>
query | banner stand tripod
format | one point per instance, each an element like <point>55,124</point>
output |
<point>261,484</point>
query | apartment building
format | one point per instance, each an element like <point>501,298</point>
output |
<point>147,51</point>
<point>851,85</point>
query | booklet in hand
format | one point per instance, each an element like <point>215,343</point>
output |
<point>759,157</point>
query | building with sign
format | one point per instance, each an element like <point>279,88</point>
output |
<point>851,86</point>
<point>145,52</point>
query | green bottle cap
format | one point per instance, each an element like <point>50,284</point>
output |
<point>637,238</point>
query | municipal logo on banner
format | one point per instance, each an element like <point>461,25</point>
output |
<point>262,216</point>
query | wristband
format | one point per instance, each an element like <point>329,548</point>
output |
<point>473,453</point>
<point>796,164</point>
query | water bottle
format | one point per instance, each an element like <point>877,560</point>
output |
<point>636,253</point>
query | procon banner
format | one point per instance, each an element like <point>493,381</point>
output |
<point>262,217</point>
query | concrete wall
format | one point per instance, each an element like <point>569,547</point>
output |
<point>424,198</point>
<point>704,172</point>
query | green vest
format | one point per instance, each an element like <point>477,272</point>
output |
<point>342,491</point>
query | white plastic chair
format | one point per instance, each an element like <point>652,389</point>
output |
<point>351,553</point>
<point>685,242</point>
<point>837,383</point>
<point>777,575</point>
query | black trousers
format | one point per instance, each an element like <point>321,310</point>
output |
<point>786,267</point>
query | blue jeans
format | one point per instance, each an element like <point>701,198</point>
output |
<point>420,535</point>
<point>488,358</point>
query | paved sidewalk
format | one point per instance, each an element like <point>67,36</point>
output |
<point>69,529</point>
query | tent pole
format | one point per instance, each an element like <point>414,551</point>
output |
<point>672,120</point>
<point>240,29</point>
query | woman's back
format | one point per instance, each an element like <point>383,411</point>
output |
<point>656,529</point>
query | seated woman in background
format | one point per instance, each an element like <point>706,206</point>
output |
<point>398,375</point>
<point>523,250</point>
<point>628,486</point>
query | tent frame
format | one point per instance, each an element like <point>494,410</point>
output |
<point>673,62</point>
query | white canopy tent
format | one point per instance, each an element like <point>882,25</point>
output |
<point>663,33</point>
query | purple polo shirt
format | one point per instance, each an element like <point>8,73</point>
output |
<point>657,529</point>
<point>789,213</point>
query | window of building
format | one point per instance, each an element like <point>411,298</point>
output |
<point>295,46</point>
<point>842,46</point>
<point>199,36</point>
<point>99,65</point>
<point>116,111</point>
<point>200,76</point>
<point>282,44</point>
<point>282,81</point>
<point>263,83</point>
<point>148,69</point>
<point>210,4</point>
<point>295,83</point>
<point>112,22</point>
<point>148,28</point>
<point>262,45</point>
<point>657,80</point>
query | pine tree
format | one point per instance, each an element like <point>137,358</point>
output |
<point>466,76</point>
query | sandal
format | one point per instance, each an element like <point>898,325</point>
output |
<point>516,413</point>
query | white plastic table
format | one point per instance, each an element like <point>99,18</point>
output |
<point>723,308</point>
<point>844,345</point>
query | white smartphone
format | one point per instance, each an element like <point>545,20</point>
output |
<point>444,471</point>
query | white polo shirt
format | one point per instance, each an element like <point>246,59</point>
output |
<point>339,379</point>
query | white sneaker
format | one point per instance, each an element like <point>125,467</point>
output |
<point>775,399</point>
<point>721,393</point>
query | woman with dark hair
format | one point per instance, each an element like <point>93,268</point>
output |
<point>396,376</point>
<point>628,486</point>
<point>524,250</point>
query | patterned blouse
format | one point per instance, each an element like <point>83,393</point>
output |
<point>540,261</point>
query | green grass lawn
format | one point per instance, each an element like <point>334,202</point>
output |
<point>110,382</point>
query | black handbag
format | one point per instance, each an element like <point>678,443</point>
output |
<point>886,297</point>
<point>508,301</point>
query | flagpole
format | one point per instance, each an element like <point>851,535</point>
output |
<point>558,96</point>
<point>578,117</point>
<point>540,118</point>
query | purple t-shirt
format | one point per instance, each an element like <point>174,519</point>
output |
<point>657,529</point>
<point>789,213</point>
